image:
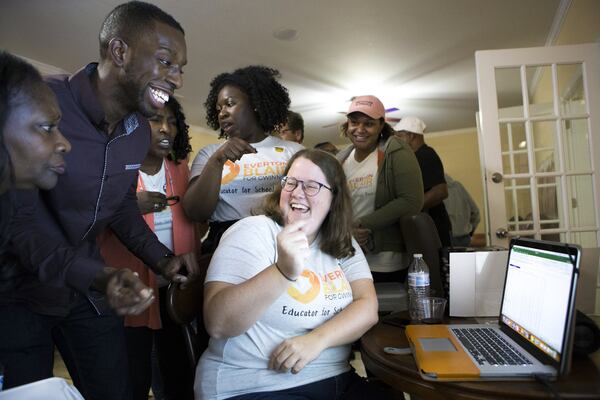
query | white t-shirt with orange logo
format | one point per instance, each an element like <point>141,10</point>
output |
<point>238,365</point>
<point>245,182</point>
<point>362,182</point>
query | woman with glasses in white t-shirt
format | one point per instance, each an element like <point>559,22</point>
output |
<point>286,294</point>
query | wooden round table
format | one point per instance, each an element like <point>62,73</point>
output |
<point>400,372</point>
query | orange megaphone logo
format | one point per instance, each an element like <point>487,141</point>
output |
<point>309,295</point>
<point>230,171</point>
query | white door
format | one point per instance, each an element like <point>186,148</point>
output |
<point>539,133</point>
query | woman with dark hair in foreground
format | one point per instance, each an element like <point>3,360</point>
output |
<point>31,146</point>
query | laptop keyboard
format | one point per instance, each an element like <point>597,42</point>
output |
<point>486,345</point>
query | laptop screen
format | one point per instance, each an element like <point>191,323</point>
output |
<point>537,295</point>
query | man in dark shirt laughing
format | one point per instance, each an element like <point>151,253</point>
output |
<point>65,293</point>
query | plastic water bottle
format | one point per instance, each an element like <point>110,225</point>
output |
<point>418,286</point>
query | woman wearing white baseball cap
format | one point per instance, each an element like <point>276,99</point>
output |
<point>385,184</point>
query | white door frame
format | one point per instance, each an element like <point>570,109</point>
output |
<point>487,61</point>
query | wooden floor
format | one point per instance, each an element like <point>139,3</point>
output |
<point>60,370</point>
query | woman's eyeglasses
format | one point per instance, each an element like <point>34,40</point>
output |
<point>311,188</point>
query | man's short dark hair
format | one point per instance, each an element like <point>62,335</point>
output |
<point>131,20</point>
<point>295,122</point>
<point>323,144</point>
<point>328,147</point>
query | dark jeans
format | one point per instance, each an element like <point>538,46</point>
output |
<point>139,351</point>
<point>92,346</point>
<point>175,372</point>
<point>347,386</point>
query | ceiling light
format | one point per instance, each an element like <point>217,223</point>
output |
<point>285,34</point>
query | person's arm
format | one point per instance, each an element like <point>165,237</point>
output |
<point>231,309</point>
<point>346,327</point>
<point>405,178</point>
<point>434,180</point>
<point>361,235</point>
<point>129,226</point>
<point>435,195</point>
<point>474,216</point>
<point>42,249</point>
<point>202,195</point>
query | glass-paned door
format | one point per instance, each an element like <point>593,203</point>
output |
<point>540,133</point>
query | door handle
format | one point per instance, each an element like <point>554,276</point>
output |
<point>501,233</point>
<point>497,177</point>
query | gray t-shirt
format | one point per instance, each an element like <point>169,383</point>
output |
<point>238,365</point>
<point>245,182</point>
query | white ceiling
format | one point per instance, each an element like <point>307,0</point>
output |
<point>416,55</point>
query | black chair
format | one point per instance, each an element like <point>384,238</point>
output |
<point>421,236</point>
<point>185,308</point>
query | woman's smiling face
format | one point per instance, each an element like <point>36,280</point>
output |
<point>296,205</point>
<point>363,131</point>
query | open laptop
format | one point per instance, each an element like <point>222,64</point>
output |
<point>533,335</point>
